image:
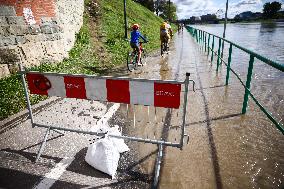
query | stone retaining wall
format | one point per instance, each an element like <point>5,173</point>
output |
<point>37,31</point>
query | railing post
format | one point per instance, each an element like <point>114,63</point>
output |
<point>205,41</point>
<point>250,68</point>
<point>197,32</point>
<point>208,48</point>
<point>229,64</point>
<point>218,59</point>
<point>203,38</point>
<point>200,36</point>
<point>212,55</point>
<point>197,36</point>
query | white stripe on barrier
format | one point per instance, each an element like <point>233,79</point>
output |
<point>141,93</point>
<point>57,87</point>
<point>96,89</point>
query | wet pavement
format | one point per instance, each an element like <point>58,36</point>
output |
<point>225,149</point>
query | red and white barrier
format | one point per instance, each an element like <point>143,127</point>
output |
<point>158,94</point>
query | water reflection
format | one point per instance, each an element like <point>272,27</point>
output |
<point>268,27</point>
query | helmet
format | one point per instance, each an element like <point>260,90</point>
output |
<point>135,26</point>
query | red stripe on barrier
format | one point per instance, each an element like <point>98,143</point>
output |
<point>75,87</point>
<point>118,91</point>
<point>38,84</point>
<point>167,95</point>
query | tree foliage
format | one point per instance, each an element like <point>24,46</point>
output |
<point>166,9</point>
<point>149,4</point>
<point>161,7</point>
<point>270,9</point>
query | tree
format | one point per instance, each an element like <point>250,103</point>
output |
<point>149,4</point>
<point>270,9</point>
<point>166,10</point>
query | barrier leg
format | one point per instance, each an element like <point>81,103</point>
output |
<point>42,145</point>
<point>158,166</point>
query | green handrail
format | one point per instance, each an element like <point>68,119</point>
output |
<point>253,55</point>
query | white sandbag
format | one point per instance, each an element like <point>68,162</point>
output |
<point>103,156</point>
<point>118,143</point>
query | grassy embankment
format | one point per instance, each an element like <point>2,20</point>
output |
<point>83,58</point>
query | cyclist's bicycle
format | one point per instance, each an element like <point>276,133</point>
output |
<point>132,58</point>
<point>164,46</point>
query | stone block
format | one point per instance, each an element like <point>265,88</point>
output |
<point>46,20</point>
<point>21,39</point>
<point>15,20</point>
<point>6,41</point>
<point>3,20</point>
<point>55,20</point>
<point>4,31</point>
<point>53,37</point>
<point>13,68</point>
<point>7,10</point>
<point>4,71</point>
<point>35,38</point>
<point>8,56</point>
<point>18,29</point>
<point>34,29</point>
<point>50,28</point>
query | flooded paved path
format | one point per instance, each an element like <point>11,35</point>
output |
<point>225,149</point>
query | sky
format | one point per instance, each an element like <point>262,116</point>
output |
<point>188,8</point>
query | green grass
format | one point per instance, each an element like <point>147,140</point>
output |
<point>113,26</point>
<point>82,58</point>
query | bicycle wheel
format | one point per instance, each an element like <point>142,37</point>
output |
<point>143,57</point>
<point>131,61</point>
<point>162,49</point>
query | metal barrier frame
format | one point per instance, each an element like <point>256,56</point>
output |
<point>200,37</point>
<point>159,143</point>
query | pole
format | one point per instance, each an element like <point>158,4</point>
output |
<point>250,68</point>
<point>184,110</point>
<point>125,20</point>
<point>225,25</point>
<point>157,7</point>
<point>169,11</point>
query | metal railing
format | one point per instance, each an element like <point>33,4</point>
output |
<point>204,38</point>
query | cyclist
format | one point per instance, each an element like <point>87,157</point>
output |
<point>134,42</point>
<point>165,32</point>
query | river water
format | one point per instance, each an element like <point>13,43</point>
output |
<point>225,149</point>
<point>266,39</point>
